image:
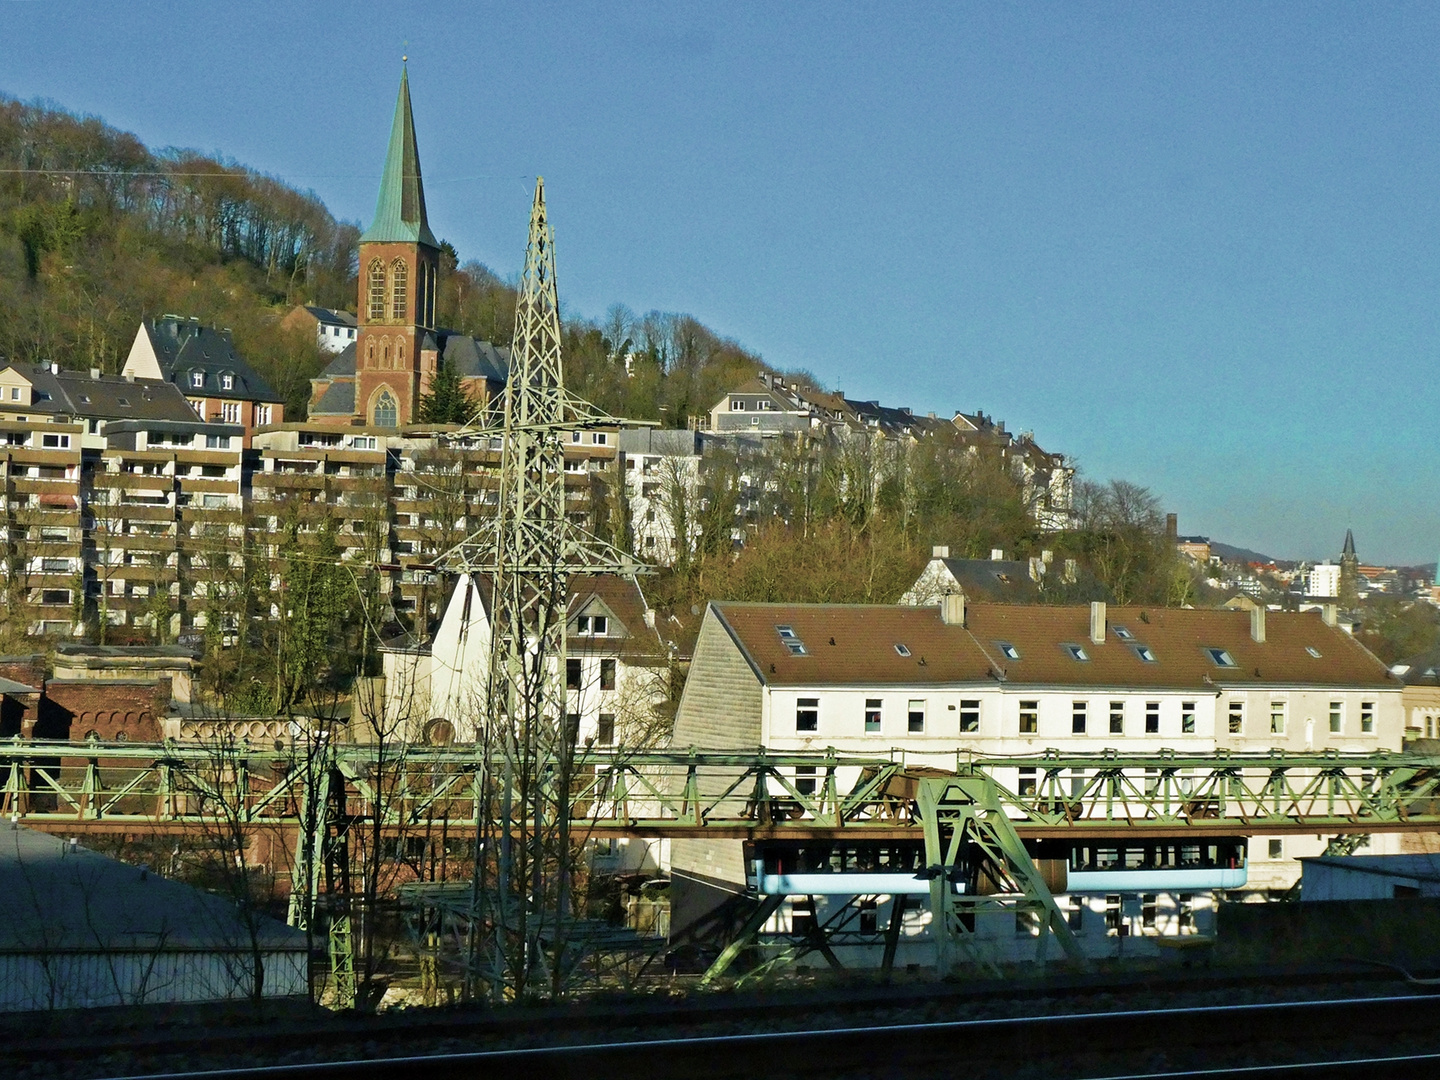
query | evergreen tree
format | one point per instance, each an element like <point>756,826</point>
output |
<point>447,402</point>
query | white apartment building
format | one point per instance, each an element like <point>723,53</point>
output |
<point>1323,579</point>
<point>1017,680</point>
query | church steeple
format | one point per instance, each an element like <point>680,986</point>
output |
<point>1349,548</point>
<point>400,209</point>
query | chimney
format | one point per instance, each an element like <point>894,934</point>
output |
<point>1097,622</point>
<point>1257,623</point>
<point>940,551</point>
<point>997,555</point>
<point>1172,527</point>
<point>1331,614</point>
<point>94,373</point>
<point>54,368</point>
<point>952,609</point>
<point>129,375</point>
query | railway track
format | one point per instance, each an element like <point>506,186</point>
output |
<point>1351,1036</point>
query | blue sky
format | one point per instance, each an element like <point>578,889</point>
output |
<point>1191,245</point>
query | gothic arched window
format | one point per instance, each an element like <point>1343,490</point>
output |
<point>399,356</point>
<point>377,290</point>
<point>385,354</point>
<point>430,297</point>
<point>387,410</point>
<point>422,298</point>
<point>399,286</point>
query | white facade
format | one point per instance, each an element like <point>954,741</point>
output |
<point>1323,580</point>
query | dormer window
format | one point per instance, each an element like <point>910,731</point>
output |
<point>197,379</point>
<point>227,381</point>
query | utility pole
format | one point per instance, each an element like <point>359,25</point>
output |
<point>528,552</point>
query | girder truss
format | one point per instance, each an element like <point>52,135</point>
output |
<point>728,794</point>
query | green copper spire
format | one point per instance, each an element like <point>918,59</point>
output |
<point>400,210</point>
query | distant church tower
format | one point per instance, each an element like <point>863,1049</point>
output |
<point>394,361</point>
<point>1349,567</point>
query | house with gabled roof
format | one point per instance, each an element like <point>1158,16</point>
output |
<point>219,383</point>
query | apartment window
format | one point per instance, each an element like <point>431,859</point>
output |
<point>607,674</point>
<point>1220,658</point>
<point>1113,913</point>
<point>1337,717</point>
<point>805,779</point>
<point>605,729</point>
<point>969,717</point>
<point>55,442</point>
<point>1075,916</point>
<point>1277,849</point>
<point>1010,652</point>
<point>1277,718</point>
<point>807,714</point>
<point>54,566</point>
<point>1237,717</point>
<point>217,442</point>
<point>1367,717</point>
<point>227,382</point>
<point>572,673</point>
<point>600,625</point>
<point>1117,718</point>
<point>873,712</point>
<point>230,412</point>
<point>1152,718</point>
<point>15,393</point>
<point>916,716</point>
<point>1029,717</point>
<point>264,414</point>
<point>737,405</point>
<point>600,438</point>
<point>1149,909</point>
<point>55,596</point>
<point>1028,781</point>
<point>1077,718</point>
<point>197,379</point>
<point>1187,718</point>
<point>1076,652</point>
<point>1077,783</point>
<point>1186,913</point>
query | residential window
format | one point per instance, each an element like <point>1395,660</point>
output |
<point>1076,915</point>
<point>1149,909</point>
<point>873,712</point>
<point>805,779</point>
<point>1029,717</point>
<point>1077,783</point>
<point>55,596</point>
<point>607,674</point>
<point>1152,718</point>
<point>1113,915</point>
<point>600,438</point>
<point>1117,718</point>
<point>605,729</point>
<point>55,442</point>
<point>969,717</point>
<point>1186,914</point>
<point>807,714</point>
<point>1028,781</point>
<point>1277,718</point>
<point>1367,717</point>
<point>599,625</point>
<point>737,405</point>
<point>359,442</point>
<point>264,413</point>
<point>572,673</point>
<point>230,412</point>
<point>1077,718</point>
<point>227,382</point>
<point>572,727</point>
<point>1237,717</point>
<point>217,442</point>
<point>15,393</point>
<point>1337,717</point>
<point>1187,718</point>
<point>197,379</point>
<point>916,715</point>
<point>1277,849</point>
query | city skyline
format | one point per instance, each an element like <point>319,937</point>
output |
<point>1187,249</point>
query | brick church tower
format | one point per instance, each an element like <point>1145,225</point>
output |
<point>395,353</point>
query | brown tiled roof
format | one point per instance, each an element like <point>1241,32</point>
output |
<point>855,645</point>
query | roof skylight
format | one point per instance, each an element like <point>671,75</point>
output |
<point>1220,658</point>
<point>791,640</point>
<point>1007,650</point>
<point>901,650</point>
<point>1145,653</point>
<point>1077,652</point>
<point>1123,634</point>
<point>1313,651</point>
